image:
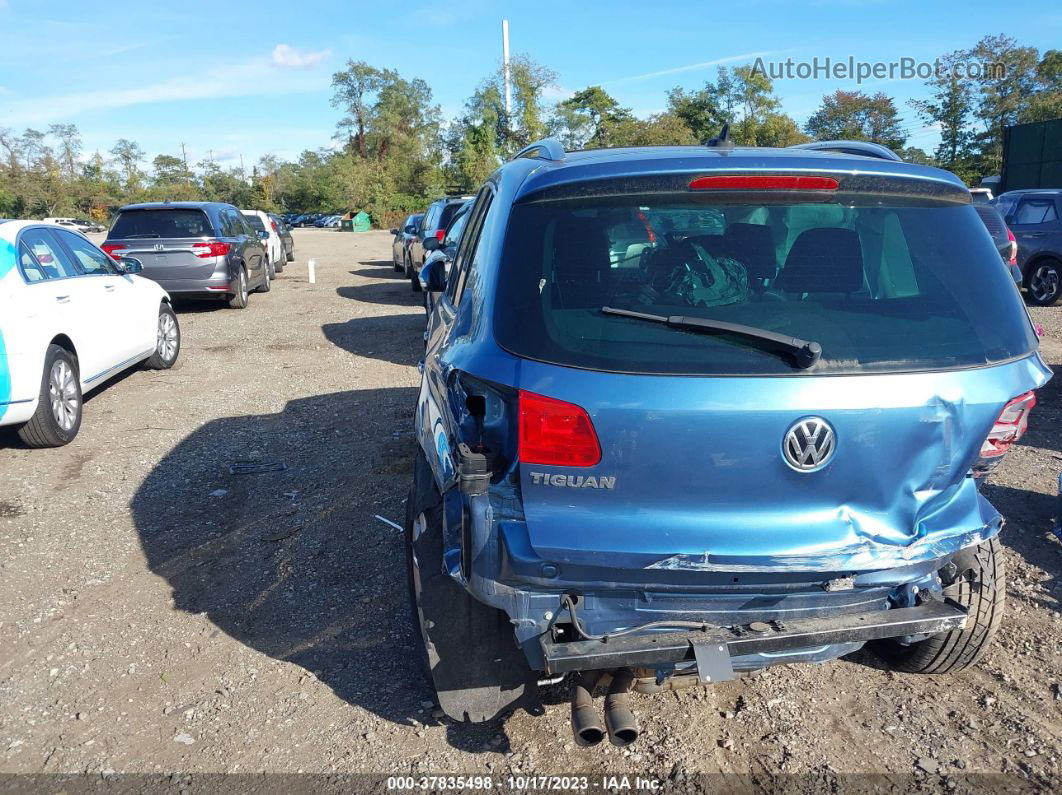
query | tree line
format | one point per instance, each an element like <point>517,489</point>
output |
<point>393,151</point>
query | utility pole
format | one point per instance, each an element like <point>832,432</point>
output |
<point>505,70</point>
<point>243,175</point>
<point>184,157</point>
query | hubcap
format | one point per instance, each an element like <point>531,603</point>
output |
<point>1044,283</point>
<point>62,390</point>
<point>166,343</point>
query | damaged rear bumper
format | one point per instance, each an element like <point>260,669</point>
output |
<point>713,648</point>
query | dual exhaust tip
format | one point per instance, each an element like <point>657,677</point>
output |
<point>619,723</point>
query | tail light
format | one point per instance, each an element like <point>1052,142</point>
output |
<point>1009,427</point>
<point>1013,247</point>
<point>274,225</point>
<point>211,248</point>
<point>556,433</point>
<point>440,234</point>
<point>763,182</point>
<point>114,250</point>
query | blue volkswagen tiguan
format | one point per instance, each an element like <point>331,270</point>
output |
<point>687,412</point>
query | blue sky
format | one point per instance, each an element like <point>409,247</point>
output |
<point>253,77</point>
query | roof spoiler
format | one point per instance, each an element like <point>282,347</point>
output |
<point>546,149</point>
<point>862,148</point>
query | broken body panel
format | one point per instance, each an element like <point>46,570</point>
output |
<point>691,513</point>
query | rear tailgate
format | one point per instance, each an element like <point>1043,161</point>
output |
<point>168,242</point>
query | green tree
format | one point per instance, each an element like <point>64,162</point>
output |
<point>950,108</point>
<point>588,118</point>
<point>856,116</point>
<point>128,156</point>
<point>1007,83</point>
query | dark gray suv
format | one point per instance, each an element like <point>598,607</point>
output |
<point>1035,218</point>
<point>192,249</point>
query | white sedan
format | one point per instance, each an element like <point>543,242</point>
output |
<point>70,317</point>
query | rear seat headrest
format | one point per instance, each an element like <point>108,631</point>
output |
<point>826,260</point>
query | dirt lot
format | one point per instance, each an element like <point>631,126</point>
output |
<point>160,614</point>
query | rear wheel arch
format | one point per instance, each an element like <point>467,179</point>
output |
<point>64,342</point>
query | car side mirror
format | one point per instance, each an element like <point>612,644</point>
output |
<point>432,276</point>
<point>431,243</point>
<point>411,229</point>
<point>130,265</point>
<point>263,234</point>
<point>393,231</point>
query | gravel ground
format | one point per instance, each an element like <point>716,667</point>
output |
<point>159,614</point>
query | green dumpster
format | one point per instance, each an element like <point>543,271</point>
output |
<point>361,222</point>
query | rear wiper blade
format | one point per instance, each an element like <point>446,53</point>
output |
<point>805,352</point>
<point>146,234</point>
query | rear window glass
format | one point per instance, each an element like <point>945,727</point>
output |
<point>254,221</point>
<point>448,213</point>
<point>880,288</point>
<point>161,223</point>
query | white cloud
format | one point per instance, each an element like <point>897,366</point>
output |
<point>256,77</point>
<point>290,58</point>
<point>748,56</point>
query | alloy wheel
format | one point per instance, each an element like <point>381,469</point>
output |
<point>166,341</point>
<point>1044,283</point>
<point>62,390</point>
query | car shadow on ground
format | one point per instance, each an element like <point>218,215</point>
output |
<point>392,292</point>
<point>390,338</point>
<point>381,273</point>
<point>293,563</point>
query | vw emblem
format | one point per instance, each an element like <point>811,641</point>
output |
<point>809,444</point>
<point>159,247</point>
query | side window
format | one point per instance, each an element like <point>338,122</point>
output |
<point>1035,211</point>
<point>428,223</point>
<point>466,251</point>
<point>93,262</point>
<point>244,227</point>
<point>230,226</point>
<point>53,261</point>
<point>32,271</point>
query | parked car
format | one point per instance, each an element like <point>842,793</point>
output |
<point>443,252</point>
<point>79,224</point>
<point>260,222</point>
<point>981,195</point>
<point>1035,218</point>
<point>287,241</point>
<point>402,238</point>
<point>436,218</point>
<point>70,318</point>
<point>1006,244</point>
<point>193,249</point>
<point>756,442</point>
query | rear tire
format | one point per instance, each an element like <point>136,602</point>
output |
<point>167,342</point>
<point>267,284</point>
<point>240,298</point>
<point>1044,282</point>
<point>465,648</point>
<point>290,256</point>
<point>58,416</point>
<point>981,588</point>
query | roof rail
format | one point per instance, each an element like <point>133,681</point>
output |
<point>546,149</point>
<point>864,148</point>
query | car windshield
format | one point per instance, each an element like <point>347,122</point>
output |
<point>881,288</point>
<point>161,223</point>
<point>254,221</point>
